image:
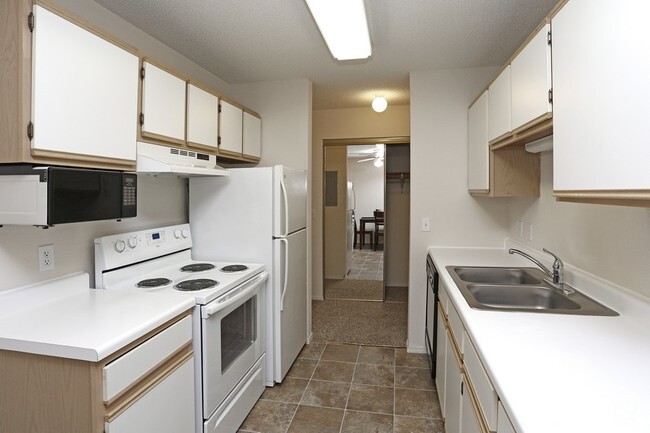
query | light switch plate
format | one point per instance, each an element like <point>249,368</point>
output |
<point>426,225</point>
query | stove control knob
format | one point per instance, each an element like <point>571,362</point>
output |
<point>119,246</point>
<point>177,233</point>
<point>132,242</point>
<point>185,233</point>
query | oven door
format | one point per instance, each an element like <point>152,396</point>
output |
<point>232,339</point>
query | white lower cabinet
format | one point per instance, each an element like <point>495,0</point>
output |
<point>453,378</point>
<point>503,422</point>
<point>467,397</point>
<point>166,408</point>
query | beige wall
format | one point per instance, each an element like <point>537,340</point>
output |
<point>439,101</point>
<point>335,242</point>
<point>343,123</point>
<point>612,242</point>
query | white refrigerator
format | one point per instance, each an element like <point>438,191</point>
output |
<point>260,215</point>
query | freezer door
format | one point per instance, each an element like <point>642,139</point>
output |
<point>289,301</point>
<point>290,200</point>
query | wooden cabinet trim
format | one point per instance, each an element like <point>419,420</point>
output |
<point>534,130</point>
<point>162,139</point>
<point>637,198</point>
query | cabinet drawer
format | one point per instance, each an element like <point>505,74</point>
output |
<point>485,393</point>
<point>135,364</point>
<point>443,297</point>
<point>456,327</point>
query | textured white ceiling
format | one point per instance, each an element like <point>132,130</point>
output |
<point>244,41</point>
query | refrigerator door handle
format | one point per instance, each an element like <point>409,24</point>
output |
<point>285,201</point>
<point>285,283</point>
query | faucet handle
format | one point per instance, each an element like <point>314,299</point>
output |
<point>558,267</point>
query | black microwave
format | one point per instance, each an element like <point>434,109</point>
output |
<point>46,196</point>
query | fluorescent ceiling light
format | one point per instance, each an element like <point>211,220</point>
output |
<point>344,27</point>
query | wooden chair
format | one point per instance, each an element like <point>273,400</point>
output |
<point>360,236</point>
<point>379,227</point>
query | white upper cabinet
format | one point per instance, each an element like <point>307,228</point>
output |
<point>252,139</point>
<point>202,117</point>
<point>530,78</point>
<point>230,128</point>
<point>601,86</point>
<point>499,106</point>
<point>85,91</point>
<point>163,105</point>
<point>479,149</point>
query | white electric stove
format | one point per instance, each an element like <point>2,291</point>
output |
<point>228,320</point>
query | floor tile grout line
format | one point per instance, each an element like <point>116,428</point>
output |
<point>347,400</point>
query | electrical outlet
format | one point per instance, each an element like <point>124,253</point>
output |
<point>426,225</point>
<point>46,257</point>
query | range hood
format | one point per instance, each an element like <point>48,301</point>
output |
<point>161,160</point>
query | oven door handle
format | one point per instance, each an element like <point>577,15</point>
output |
<point>234,296</point>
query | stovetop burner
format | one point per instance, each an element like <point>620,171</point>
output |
<point>153,282</point>
<point>234,268</point>
<point>194,285</point>
<point>197,267</point>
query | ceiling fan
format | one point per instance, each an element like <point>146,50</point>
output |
<point>377,155</point>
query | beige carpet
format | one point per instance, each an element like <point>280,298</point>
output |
<point>366,290</point>
<point>358,322</point>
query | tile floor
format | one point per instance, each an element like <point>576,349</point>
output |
<point>367,265</point>
<point>340,388</point>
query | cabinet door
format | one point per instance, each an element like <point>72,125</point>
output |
<point>503,422</point>
<point>163,105</point>
<point>601,89</point>
<point>499,106</point>
<point>469,418</point>
<point>202,117</point>
<point>231,128</point>
<point>252,139</point>
<point>85,91</point>
<point>530,79</point>
<point>441,360</point>
<point>166,408</point>
<point>452,390</point>
<point>478,161</point>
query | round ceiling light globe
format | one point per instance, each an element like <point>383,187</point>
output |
<point>379,104</point>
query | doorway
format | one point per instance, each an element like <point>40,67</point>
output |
<point>366,218</point>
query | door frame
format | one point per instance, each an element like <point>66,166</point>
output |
<point>330,142</point>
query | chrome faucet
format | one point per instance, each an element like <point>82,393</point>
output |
<point>557,275</point>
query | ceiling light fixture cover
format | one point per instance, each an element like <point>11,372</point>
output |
<point>344,27</point>
<point>379,104</point>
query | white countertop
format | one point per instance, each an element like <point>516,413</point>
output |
<point>65,318</point>
<point>561,373</point>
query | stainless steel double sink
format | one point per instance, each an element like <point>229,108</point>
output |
<point>520,289</point>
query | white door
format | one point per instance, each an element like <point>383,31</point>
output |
<point>202,117</point>
<point>230,124</point>
<point>478,162</point>
<point>290,200</point>
<point>530,78</point>
<point>252,139</point>
<point>163,104</point>
<point>85,91</point>
<point>290,300</point>
<point>232,339</point>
